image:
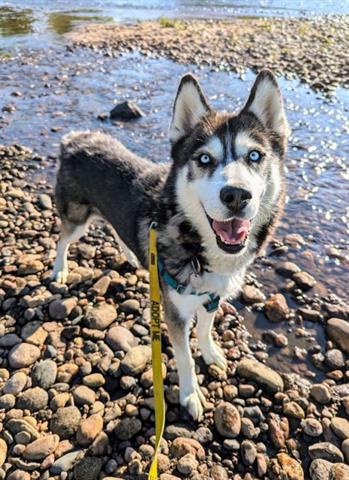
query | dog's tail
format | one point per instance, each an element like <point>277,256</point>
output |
<point>75,143</point>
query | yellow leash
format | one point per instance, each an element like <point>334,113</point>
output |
<point>155,314</point>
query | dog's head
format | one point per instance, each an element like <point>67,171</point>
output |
<point>229,166</point>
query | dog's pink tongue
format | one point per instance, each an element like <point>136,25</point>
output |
<point>235,231</point>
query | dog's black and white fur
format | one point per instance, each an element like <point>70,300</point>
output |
<point>215,204</point>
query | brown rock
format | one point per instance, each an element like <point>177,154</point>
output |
<point>101,286</point>
<point>276,308</point>
<point>23,355</point>
<point>60,309</point>
<point>264,376</point>
<point>320,469</point>
<point>321,393</point>
<point>19,475</point>
<point>292,409</point>
<point>279,430</point>
<point>84,395</point>
<point>251,294</point>
<point>227,420</point>
<point>101,316</point>
<point>41,448</point>
<point>339,471</point>
<point>65,422</point>
<point>3,451</point>
<point>326,451</point>
<point>338,331</point>
<point>340,426</point>
<point>89,429</point>
<point>285,467</point>
<point>304,280</point>
<point>181,446</point>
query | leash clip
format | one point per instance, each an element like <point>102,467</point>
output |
<point>180,288</point>
<point>153,225</point>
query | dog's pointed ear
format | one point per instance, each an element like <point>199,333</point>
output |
<point>189,107</point>
<point>265,101</point>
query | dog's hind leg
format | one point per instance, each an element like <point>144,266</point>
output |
<point>190,394</point>
<point>131,257</point>
<point>76,218</point>
<point>70,232</point>
<point>211,352</point>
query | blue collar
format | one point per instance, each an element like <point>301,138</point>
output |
<point>210,306</point>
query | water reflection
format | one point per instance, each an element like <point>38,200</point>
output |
<point>16,22</point>
<point>64,22</point>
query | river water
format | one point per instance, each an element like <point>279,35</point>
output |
<point>29,21</point>
<point>60,90</point>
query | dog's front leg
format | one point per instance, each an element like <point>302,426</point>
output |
<point>211,352</point>
<point>191,396</point>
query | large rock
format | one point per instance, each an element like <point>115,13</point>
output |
<point>326,451</point>
<point>136,360</point>
<point>338,331</point>
<point>33,399</point>
<point>41,448</point>
<point>16,383</point>
<point>44,374</point>
<point>320,469</point>
<point>227,420</point>
<point>23,355</point>
<point>276,308</point>
<point>127,427</point>
<point>285,467</point>
<point>101,316</point>
<point>126,111</point>
<point>3,451</point>
<point>88,468</point>
<point>65,422</point>
<point>60,309</point>
<point>321,392</point>
<point>34,333</point>
<point>120,338</point>
<point>340,426</point>
<point>251,294</point>
<point>66,462</point>
<point>264,376</point>
<point>89,429</point>
<point>19,475</point>
<point>279,430</point>
<point>181,446</point>
<point>339,471</point>
<point>45,201</point>
<point>187,464</point>
<point>84,395</point>
<point>304,281</point>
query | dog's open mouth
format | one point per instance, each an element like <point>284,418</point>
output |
<point>231,234</point>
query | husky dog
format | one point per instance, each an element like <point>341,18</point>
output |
<point>214,207</point>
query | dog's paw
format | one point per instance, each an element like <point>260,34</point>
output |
<point>214,354</point>
<point>193,403</point>
<point>60,276</point>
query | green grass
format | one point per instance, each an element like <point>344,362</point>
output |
<point>4,54</point>
<point>166,22</point>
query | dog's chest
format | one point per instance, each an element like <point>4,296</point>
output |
<point>223,285</point>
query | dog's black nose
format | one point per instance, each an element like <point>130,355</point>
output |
<point>235,198</point>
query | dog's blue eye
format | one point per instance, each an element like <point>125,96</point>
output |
<point>204,159</point>
<point>254,156</point>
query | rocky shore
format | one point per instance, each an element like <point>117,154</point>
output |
<point>76,399</point>
<point>314,50</point>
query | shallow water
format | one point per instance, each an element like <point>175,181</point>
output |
<point>29,22</point>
